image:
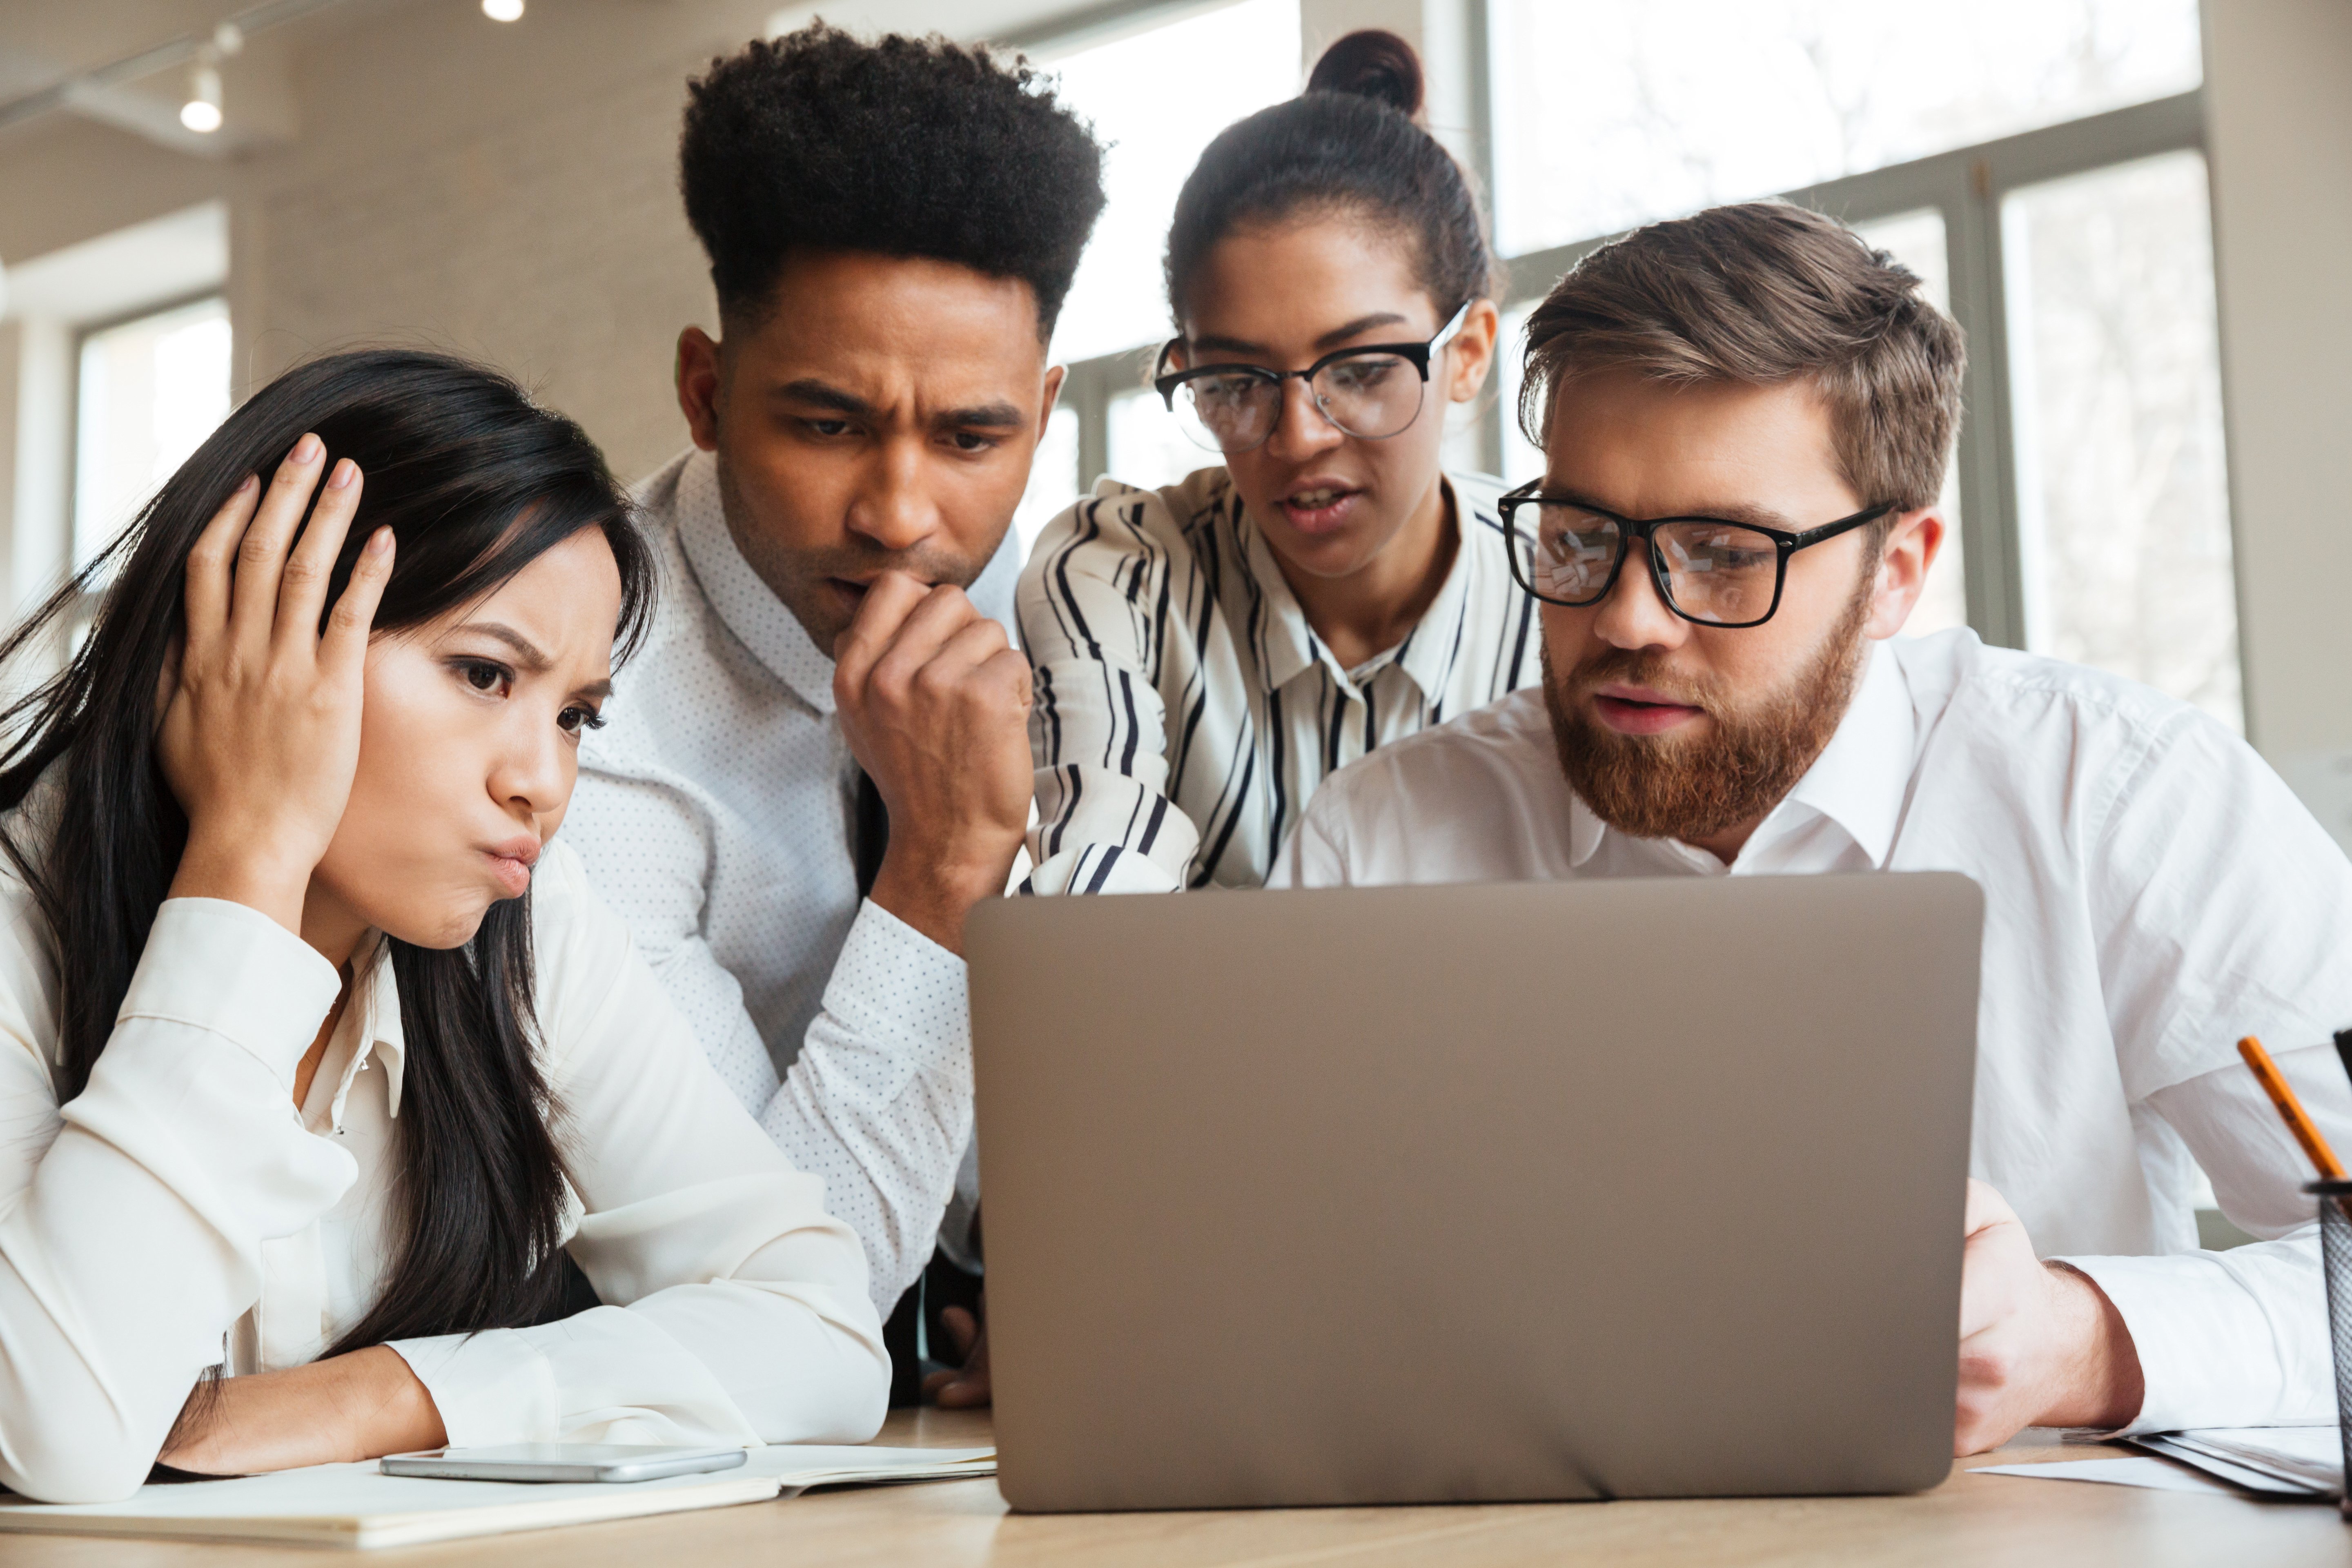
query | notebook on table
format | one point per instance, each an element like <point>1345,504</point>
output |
<point>357,1506</point>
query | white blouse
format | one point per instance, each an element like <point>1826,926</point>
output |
<point>182,1212</point>
<point>1186,710</point>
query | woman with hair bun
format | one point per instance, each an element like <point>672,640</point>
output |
<point>1207,652</point>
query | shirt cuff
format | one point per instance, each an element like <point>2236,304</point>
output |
<point>1101,869</point>
<point>490,1388</point>
<point>221,966</point>
<point>2209,1351</point>
<point>891,983</point>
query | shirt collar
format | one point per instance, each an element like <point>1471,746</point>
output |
<point>744,605</point>
<point>376,999</point>
<point>1288,645</point>
<point>1858,781</point>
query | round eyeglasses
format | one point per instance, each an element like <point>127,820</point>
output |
<point>1371,393</point>
<point>1708,571</point>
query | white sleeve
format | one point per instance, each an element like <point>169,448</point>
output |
<point>1093,627</point>
<point>738,1307</point>
<point>131,1218</point>
<point>879,1101</point>
<point>2238,1337</point>
<point>2225,911</point>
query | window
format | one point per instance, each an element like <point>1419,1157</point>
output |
<point>2039,163</point>
<point>1674,105</point>
<point>2123,493</point>
<point>149,392</point>
<point>1203,72</point>
<point>1054,480</point>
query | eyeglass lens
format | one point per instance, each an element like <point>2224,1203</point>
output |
<point>1715,572</point>
<point>1371,396</point>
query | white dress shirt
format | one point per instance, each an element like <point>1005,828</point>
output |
<point>2152,893</point>
<point>182,1212</point>
<point>716,812</point>
<point>1185,709</point>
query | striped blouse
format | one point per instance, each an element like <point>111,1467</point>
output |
<point>1185,709</point>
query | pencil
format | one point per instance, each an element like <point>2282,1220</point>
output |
<point>2291,1112</point>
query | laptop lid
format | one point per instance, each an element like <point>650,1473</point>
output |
<point>1481,1193</point>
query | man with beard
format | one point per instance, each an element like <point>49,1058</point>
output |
<point>819,762</point>
<point>1745,417</point>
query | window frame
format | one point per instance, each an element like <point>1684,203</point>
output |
<point>1967,185</point>
<point>77,345</point>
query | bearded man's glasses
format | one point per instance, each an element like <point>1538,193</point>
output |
<point>1708,571</point>
<point>1370,393</point>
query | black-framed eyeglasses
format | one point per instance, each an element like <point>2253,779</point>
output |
<point>1364,392</point>
<point>1708,571</point>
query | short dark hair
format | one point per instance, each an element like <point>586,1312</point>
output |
<point>1350,144</point>
<point>902,147</point>
<point>1763,293</point>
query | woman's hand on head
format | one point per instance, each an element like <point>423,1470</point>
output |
<point>261,713</point>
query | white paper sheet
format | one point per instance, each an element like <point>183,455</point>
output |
<point>2159,1474</point>
<point>359,1506</point>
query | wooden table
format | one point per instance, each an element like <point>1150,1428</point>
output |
<point>1968,1519</point>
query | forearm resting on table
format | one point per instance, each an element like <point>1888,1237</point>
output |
<point>362,1405</point>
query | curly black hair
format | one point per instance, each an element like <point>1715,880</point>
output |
<point>902,147</point>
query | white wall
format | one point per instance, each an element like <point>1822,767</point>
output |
<point>438,179</point>
<point>2278,99</point>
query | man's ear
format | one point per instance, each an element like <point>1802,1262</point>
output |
<point>1911,548</point>
<point>697,386</point>
<point>1054,379</point>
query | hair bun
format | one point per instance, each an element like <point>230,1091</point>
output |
<point>1371,63</point>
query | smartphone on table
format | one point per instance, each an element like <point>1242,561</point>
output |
<point>562,1462</point>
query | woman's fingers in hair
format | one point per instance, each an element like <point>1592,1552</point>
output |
<point>207,589</point>
<point>302,584</point>
<point>261,557</point>
<point>346,640</point>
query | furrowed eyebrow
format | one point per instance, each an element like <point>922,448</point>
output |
<point>983,417</point>
<point>825,395</point>
<point>598,690</point>
<point>528,654</point>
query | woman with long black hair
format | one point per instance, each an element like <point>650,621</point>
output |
<point>316,1057</point>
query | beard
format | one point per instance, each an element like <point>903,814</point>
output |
<point>1753,754</point>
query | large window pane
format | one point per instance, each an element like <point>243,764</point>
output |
<point>1158,97</point>
<point>149,391</point>
<point>2123,494</point>
<point>1916,240</point>
<point>1612,112</point>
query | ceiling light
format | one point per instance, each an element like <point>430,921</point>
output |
<point>202,112</point>
<point>502,10</point>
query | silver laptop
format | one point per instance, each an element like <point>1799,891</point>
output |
<point>1475,1193</point>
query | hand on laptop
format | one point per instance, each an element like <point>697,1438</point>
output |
<point>2040,1345</point>
<point>934,702</point>
<point>965,1387</point>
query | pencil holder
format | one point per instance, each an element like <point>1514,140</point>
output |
<point>2335,1257</point>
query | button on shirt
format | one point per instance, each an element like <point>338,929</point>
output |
<point>1185,710</point>
<point>716,812</point>
<point>181,1210</point>
<point>2153,892</point>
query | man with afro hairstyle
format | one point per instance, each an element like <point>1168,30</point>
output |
<point>820,761</point>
